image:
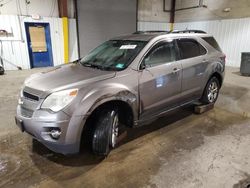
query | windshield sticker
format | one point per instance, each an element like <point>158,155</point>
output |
<point>120,66</point>
<point>128,47</point>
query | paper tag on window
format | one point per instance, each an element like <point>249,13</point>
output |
<point>127,47</point>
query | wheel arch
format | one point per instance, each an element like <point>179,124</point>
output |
<point>126,111</point>
<point>123,107</point>
<point>218,76</point>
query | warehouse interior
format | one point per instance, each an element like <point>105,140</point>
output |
<point>181,149</point>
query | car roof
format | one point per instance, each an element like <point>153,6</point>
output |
<point>148,35</point>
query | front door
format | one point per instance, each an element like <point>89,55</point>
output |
<point>160,80</point>
<point>39,44</point>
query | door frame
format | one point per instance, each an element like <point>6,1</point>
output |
<point>46,26</point>
<point>160,79</point>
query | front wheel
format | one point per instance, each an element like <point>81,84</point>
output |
<point>105,135</point>
<point>211,91</point>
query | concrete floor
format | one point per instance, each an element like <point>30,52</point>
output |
<point>180,150</point>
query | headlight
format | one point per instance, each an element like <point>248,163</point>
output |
<point>58,100</point>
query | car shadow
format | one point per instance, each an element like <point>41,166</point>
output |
<point>86,158</point>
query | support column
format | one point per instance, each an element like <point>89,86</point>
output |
<point>172,15</point>
<point>63,13</point>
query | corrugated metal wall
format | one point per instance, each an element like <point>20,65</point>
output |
<point>233,35</point>
<point>15,50</point>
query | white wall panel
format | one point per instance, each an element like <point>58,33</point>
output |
<point>15,48</point>
<point>73,45</point>
<point>44,8</point>
<point>232,35</point>
<point>56,34</point>
<point>11,25</point>
<point>47,8</point>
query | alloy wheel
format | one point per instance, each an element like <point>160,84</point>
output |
<point>115,131</point>
<point>212,92</point>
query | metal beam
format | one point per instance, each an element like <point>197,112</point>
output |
<point>172,15</point>
<point>63,8</point>
<point>63,13</point>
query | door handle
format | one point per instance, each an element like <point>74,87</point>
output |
<point>175,70</point>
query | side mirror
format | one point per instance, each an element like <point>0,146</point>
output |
<point>142,66</point>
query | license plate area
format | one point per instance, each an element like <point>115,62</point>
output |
<point>20,124</point>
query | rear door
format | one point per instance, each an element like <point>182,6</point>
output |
<point>160,80</point>
<point>194,64</point>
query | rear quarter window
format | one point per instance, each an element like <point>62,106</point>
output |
<point>212,42</point>
<point>190,48</point>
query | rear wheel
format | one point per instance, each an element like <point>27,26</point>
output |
<point>211,91</point>
<point>105,134</point>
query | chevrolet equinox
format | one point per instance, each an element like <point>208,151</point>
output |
<point>126,82</point>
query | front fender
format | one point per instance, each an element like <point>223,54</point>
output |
<point>106,93</point>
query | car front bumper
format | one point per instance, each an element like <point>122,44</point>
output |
<point>42,122</point>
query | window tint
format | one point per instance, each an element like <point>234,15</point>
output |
<point>161,53</point>
<point>190,48</point>
<point>212,42</point>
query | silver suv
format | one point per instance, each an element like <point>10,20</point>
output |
<point>125,82</point>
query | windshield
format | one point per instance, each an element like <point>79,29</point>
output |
<point>113,55</point>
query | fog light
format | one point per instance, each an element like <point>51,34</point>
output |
<point>55,134</point>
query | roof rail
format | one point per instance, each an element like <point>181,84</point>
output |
<point>189,31</point>
<point>152,31</point>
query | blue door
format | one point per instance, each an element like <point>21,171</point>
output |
<point>39,44</point>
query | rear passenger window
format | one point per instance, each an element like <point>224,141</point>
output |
<point>190,48</point>
<point>212,42</point>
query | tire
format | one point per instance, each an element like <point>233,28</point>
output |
<point>211,91</point>
<point>105,133</point>
<point>1,70</point>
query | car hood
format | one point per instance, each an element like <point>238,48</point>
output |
<point>66,76</point>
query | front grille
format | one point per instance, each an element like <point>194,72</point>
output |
<point>30,96</point>
<point>30,101</point>
<point>26,112</point>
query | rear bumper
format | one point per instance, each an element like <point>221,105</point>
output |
<point>42,122</point>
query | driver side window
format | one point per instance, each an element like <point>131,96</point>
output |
<point>161,53</point>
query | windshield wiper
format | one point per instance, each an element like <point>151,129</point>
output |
<point>93,66</point>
